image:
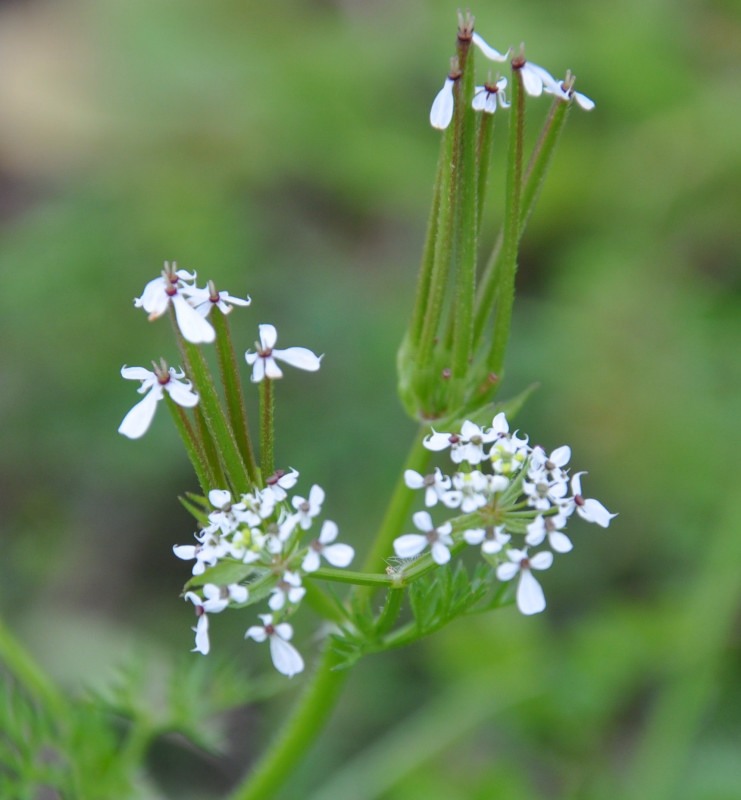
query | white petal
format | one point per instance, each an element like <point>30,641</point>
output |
<point>584,101</point>
<point>268,336</point>
<point>499,424</point>
<point>192,325</point>
<point>560,456</point>
<point>594,511</point>
<point>258,370</point>
<point>272,370</point>
<point>138,374</point>
<point>299,357</point>
<point>181,393</point>
<point>437,441</point>
<point>413,479</point>
<point>440,553</point>
<point>219,498</point>
<point>138,420</point>
<point>202,643</point>
<point>487,50</point>
<point>311,562</point>
<point>286,659</point>
<point>329,532</point>
<point>532,84</point>
<point>422,520</point>
<point>530,597</point>
<point>479,98</point>
<point>541,560</point>
<point>184,551</point>
<point>560,542</point>
<point>409,545</point>
<point>475,535</point>
<point>442,106</point>
<point>284,630</point>
<point>256,632</point>
<point>238,594</point>
<point>339,555</point>
<point>507,571</point>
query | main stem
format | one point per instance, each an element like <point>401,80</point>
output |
<point>322,693</point>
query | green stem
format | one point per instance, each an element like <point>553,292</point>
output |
<point>299,733</point>
<point>210,453</point>
<point>267,427</point>
<point>301,729</point>
<point>485,150</point>
<point>348,576</point>
<point>537,167</point>
<point>233,393</point>
<point>193,447</point>
<point>506,284</point>
<point>217,422</point>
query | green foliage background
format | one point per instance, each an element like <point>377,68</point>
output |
<point>283,149</point>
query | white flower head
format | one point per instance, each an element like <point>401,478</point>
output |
<point>337,554</point>
<point>263,361</point>
<point>487,97</point>
<point>530,597</point>
<point>587,508</point>
<point>203,300</point>
<point>215,599</point>
<point>435,484</point>
<point>567,92</point>
<point>286,659</point>
<point>542,492</point>
<point>536,79</point>
<point>471,446</point>
<point>172,287</point>
<point>287,590</point>
<point>278,483</point>
<point>153,386</point>
<point>412,544</point>
<point>468,492</point>
<point>308,508</point>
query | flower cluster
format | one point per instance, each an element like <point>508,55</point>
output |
<point>503,488</point>
<point>535,80</point>
<point>265,532</point>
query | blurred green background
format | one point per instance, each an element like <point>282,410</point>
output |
<point>283,149</point>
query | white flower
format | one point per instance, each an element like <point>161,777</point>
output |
<point>439,441</point>
<point>154,385</point>
<point>215,600</point>
<point>206,553</point>
<point>535,79</point>
<point>543,493</point>
<point>203,300</point>
<point>530,598</point>
<point>263,362</point>
<point>551,527</point>
<point>567,92</point>
<point>491,539</point>
<point>309,508</point>
<point>471,447</point>
<point>170,287</point>
<point>553,463</point>
<point>412,544</point>
<point>487,50</point>
<point>288,589</point>
<point>588,509</point>
<point>286,659</point>
<point>468,491</point>
<point>279,481</point>
<point>435,484</point>
<point>441,112</point>
<point>338,555</point>
<point>487,97</point>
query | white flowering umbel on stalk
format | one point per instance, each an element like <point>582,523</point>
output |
<point>452,356</point>
<point>262,537</point>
